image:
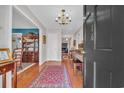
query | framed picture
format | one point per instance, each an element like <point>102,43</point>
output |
<point>44,39</point>
<point>5,55</point>
<point>74,42</point>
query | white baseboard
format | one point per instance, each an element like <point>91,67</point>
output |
<point>25,68</point>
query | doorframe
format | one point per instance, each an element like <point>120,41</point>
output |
<point>84,40</point>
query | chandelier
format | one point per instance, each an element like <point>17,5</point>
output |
<point>63,18</point>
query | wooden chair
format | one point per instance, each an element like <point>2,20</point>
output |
<point>77,66</point>
<point>17,56</point>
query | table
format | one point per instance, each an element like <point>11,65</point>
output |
<point>6,67</point>
<point>77,61</point>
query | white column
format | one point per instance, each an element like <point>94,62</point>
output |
<point>40,47</point>
<point>6,34</point>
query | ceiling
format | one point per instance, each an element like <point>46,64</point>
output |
<point>46,14</point>
<point>18,18</point>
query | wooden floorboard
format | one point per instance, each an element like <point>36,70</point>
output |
<point>24,78</point>
<point>27,76</point>
<point>76,77</point>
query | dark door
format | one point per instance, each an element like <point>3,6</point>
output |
<point>98,48</point>
<point>103,47</point>
<point>118,45</point>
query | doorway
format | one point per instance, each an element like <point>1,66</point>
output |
<point>25,44</point>
<point>25,41</point>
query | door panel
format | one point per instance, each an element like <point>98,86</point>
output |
<point>103,68</point>
<point>118,45</point>
<point>103,50</point>
<point>103,29</point>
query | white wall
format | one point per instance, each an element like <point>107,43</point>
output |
<point>78,36</point>
<point>6,34</point>
<point>71,41</point>
<point>54,41</point>
<point>42,48</point>
<point>81,35</point>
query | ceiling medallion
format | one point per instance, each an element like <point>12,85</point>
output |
<point>63,18</point>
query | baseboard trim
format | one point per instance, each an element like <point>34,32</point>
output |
<point>26,68</point>
<point>53,60</point>
<point>50,62</point>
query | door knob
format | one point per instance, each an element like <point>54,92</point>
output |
<point>84,52</point>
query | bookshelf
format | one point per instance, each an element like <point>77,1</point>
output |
<point>30,45</point>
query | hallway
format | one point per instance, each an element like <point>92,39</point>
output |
<point>62,46</point>
<point>41,44</point>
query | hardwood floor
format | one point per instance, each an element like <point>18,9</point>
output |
<point>24,78</point>
<point>76,77</point>
<point>27,76</point>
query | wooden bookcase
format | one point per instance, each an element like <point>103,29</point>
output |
<point>30,49</point>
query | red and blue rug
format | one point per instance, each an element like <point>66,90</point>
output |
<point>52,76</point>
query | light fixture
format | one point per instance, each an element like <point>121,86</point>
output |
<point>66,39</point>
<point>63,18</point>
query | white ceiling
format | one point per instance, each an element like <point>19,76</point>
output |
<point>47,14</point>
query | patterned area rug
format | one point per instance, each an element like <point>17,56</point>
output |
<point>53,76</point>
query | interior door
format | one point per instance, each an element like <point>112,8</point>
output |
<point>98,47</point>
<point>103,47</point>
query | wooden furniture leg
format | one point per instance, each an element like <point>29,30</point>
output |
<point>15,76</point>
<point>4,80</point>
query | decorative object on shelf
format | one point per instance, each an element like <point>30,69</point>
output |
<point>44,39</point>
<point>30,35</point>
<point>63,18</point>
<point>5,55</point>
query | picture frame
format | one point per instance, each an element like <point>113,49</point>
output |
<point>44,39</point>
<point>74,43</point>
<point>5,55</point>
